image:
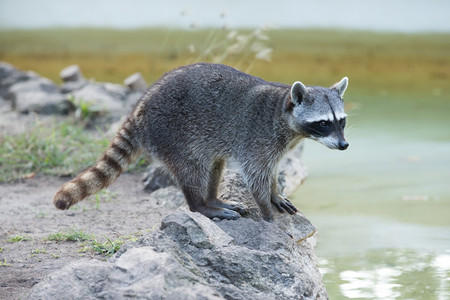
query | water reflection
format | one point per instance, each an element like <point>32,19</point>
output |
<point>378,283</point>
<point>388,274</point>
<point>442,265</point>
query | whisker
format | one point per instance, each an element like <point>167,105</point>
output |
<point>318,132</point>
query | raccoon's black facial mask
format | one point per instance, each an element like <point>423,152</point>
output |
<point>324,127</point>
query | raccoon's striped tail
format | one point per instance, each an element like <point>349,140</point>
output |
<point>122,151</point>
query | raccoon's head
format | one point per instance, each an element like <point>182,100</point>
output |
<point>318,113</point>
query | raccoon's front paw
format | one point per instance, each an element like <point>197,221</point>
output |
<point>283,204</point>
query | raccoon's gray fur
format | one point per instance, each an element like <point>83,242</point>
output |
<point>196,117</point>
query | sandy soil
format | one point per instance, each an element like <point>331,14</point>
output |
<point>26,209</point>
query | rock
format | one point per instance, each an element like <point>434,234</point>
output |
<point>115,90</point>
<point>135,82</point>
<point>296,226</point>
<point>71,86</point>
<point>139,273</point>
<point>2,101</point>
<point>86,276</point>
<point>100,99</point>
<point>71,74</point>
<point>292,170</point>
<point>157,177</point>
<point>9,76</point>
<point>133,97</point>
<point>29,92</point>
<point>169,197</point>
<point>193,257</point>
<point>34,84</point>
<point>42,103</point>
<point>39,95</point>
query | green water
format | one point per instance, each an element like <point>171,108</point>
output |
<point>382,207</point>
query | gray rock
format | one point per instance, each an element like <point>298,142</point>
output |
<point>135,82</point>
<point>41,103</point>
<point>117,91</point>
<point>9,75</point>
<point>132,98</point>
<point>295,226</point>
<point>34,84</point>
<point>103,99</point>
<point>293,170</point>
<point>2,101</point>
<point>71,73</point>
<point>193,257</point>
<point>39,95</point>
<point>71,86</point>
<point>29,92</point>
<point>79,280</point>
<point>98,96</point>
<point>157,177</point>
<point>169,197</point>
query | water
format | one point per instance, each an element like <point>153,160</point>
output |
<point>383,206</point>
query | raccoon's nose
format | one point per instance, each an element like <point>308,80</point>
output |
<point>343,145</point>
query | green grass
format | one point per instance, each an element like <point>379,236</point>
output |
<point>4,263</point>
<point>39,251</point>
<point>18,238</point>
<point>53,149</point>
<point>103,196</point>
<point>107,248</point>
<point>89,242</point>
<point>71,235</point>
<point>61,148</point>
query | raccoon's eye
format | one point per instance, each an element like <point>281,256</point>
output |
<point>324,123</point>
<point>342,122</point>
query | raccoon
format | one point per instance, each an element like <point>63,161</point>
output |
<point>197,117</point>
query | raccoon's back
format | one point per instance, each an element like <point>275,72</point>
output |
<point>207,107</point>
<point>201,100</point>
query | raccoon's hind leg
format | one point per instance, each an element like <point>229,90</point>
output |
<point>213,185</point>
<point>193,181</point>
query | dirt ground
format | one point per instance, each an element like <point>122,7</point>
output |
<point>27,211</point>
<point>28,218</point>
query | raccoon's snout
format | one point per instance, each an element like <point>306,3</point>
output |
<point>343,145</point>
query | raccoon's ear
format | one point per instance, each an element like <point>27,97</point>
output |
<point>341,86</point>
<point>298,93</point>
